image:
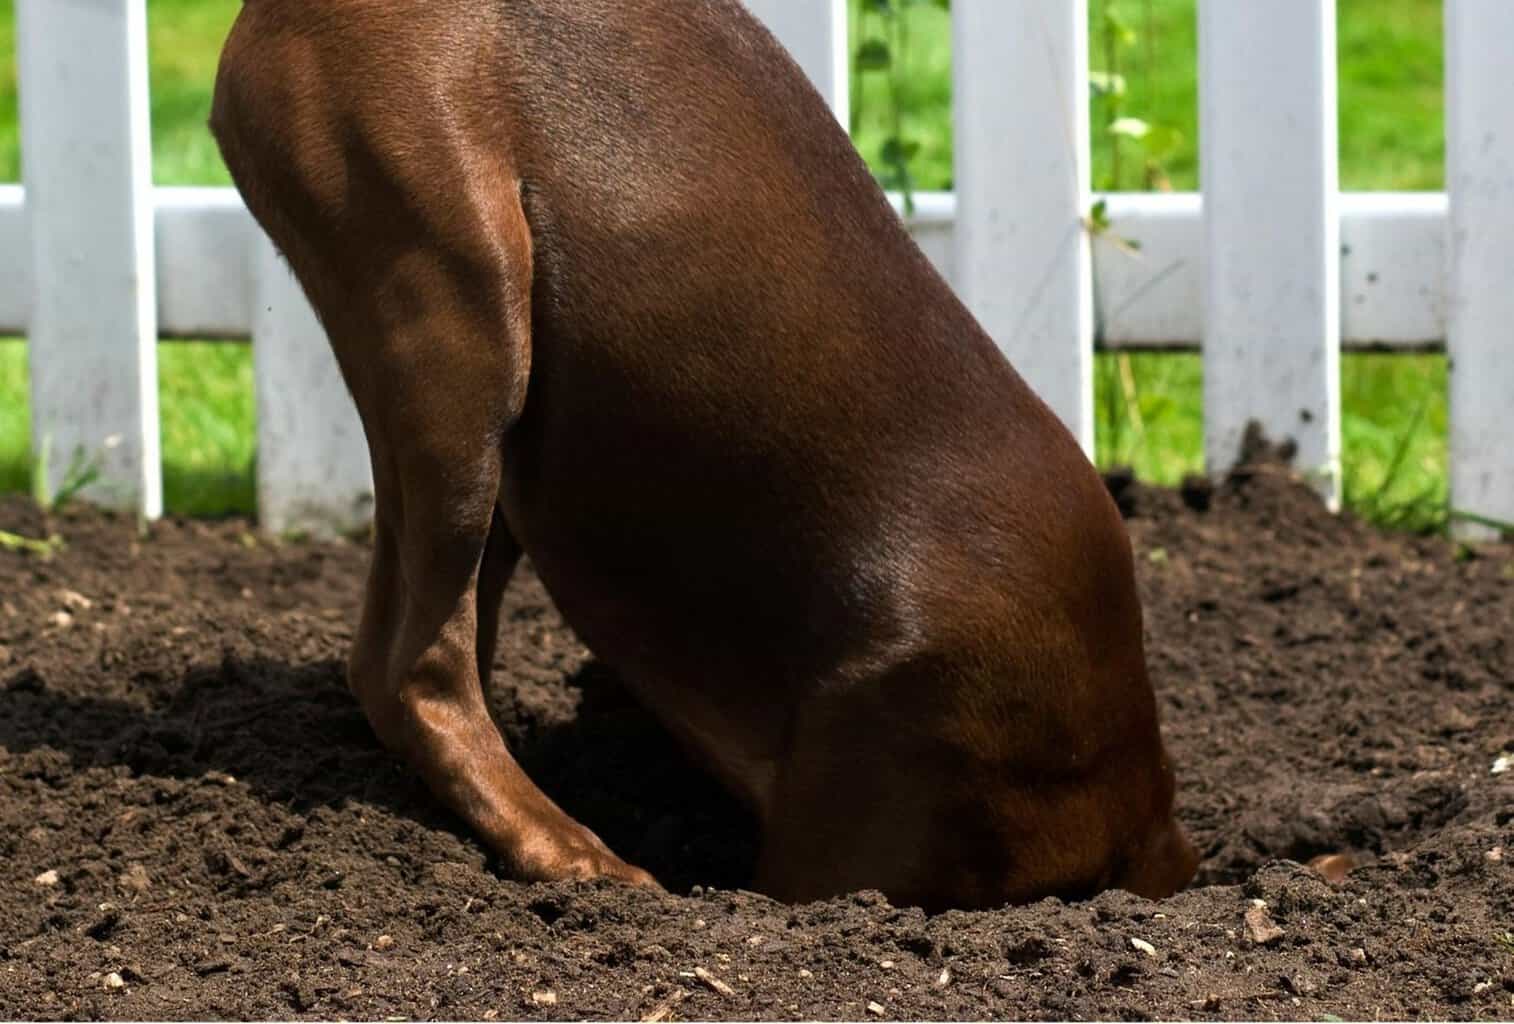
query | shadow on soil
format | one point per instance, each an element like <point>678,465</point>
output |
<point>296,736</point>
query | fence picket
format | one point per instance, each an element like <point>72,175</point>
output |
<point>1268,167</point>
<point>313,473</point>
<point>1021,259</point>
<point>1480,310</point>
<point>87,170</point>
<point>814,33</point>
<point>94,261</point>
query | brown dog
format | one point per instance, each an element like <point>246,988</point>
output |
<point>611,287</point>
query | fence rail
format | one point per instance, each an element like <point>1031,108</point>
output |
<point>1271,271</point>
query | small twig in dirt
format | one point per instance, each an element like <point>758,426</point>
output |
<point>663,1009</point>
<point>708,977</point>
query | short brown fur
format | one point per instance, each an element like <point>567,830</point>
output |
<point>610,287</point>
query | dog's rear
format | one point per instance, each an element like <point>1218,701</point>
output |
<point>610,286</point>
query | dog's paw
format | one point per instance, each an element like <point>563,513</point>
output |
<point>572,853</point>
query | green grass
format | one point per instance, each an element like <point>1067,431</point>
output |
<point>1149,412</point>
<point>10,127</point>
<point>1391,125</point>
<point>207,423</point>
<point>15,419</point>
<point>1393,422</point>
<point>922,52</point>
<point>184,43</point>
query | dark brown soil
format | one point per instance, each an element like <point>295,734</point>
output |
<point>180,758</point>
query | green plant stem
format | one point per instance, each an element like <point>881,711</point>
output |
<point>16,542</point>
<point>1116,107</point>
<point>900,46</point>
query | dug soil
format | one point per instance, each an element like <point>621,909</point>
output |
<point>195,820</point>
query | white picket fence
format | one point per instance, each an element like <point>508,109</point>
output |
<point>1270,270</point>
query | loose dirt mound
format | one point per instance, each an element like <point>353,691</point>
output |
<point>196,822</point>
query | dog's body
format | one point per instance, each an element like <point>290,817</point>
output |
<point>610,287</point>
